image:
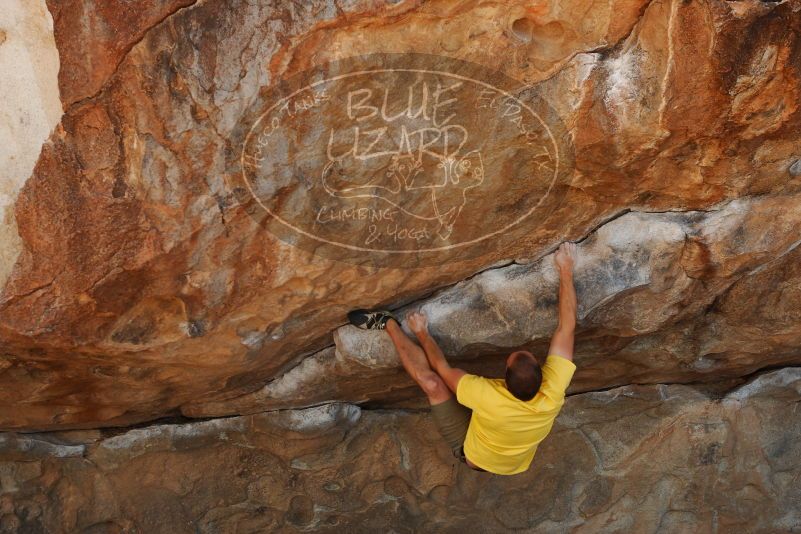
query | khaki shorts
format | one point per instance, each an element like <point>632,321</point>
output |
<point>452,420</point>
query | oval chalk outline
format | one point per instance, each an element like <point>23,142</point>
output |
<point>415,251</point>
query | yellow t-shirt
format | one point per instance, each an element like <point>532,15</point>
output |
<point>504,431</point>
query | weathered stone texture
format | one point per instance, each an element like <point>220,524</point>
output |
<point>144,288</point>
<point>140,279</point>
<point>29,109</point>
<point>636,458</point>
<point>657,298</point>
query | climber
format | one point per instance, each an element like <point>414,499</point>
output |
<point>492,425</point>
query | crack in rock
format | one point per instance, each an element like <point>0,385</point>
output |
<point>633,262</point>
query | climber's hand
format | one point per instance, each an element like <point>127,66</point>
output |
<point>565,257</point>
<point>417,322</point>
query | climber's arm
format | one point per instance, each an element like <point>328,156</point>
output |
<point>436,358</point>
<point>563,338</point>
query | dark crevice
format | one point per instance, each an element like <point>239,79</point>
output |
<point>714,390</point>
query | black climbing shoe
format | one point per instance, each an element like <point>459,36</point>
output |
<point>367,320</point>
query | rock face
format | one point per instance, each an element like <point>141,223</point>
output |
<point>30,108</point>
<point>658,294</point>
<point>228,178</point>
<point>636,458</point>
<point>184,242</point>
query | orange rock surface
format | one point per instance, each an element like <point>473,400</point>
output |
<point>229,178</point>
<point>150,284</point>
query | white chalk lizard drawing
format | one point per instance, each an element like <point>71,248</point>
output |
<point>406,177</point>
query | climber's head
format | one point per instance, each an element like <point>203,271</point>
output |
<point>523,375</point>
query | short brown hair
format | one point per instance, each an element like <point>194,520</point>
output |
<point>524,376</point>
